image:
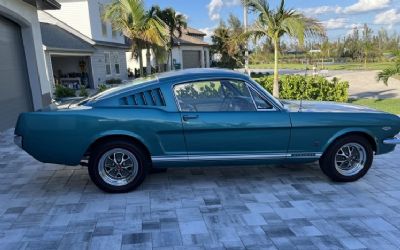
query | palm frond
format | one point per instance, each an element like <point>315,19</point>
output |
<point>385,74</point>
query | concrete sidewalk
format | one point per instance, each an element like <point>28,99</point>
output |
<point>363,84</point>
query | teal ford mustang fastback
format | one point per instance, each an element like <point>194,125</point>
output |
<point>203,117</point>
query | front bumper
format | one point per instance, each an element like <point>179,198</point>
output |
<point>392,141</point>
<point>18,140</point>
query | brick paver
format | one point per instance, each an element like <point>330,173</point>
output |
<point>46,206</point>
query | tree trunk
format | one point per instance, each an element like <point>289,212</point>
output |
<point>148,61</point>
<point>365,62</point>
<point>172,61</point>
<point>141,62</point>
<point>171,45</point>
<point>276,72</point>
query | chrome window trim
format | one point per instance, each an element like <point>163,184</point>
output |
<point>268,96</point>
<point>246,82</point>
<point>224,157</point>
<point>262,110</point>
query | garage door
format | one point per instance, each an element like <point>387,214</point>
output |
<point>15,94</point>
<point>191,59</point>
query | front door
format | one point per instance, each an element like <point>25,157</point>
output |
<point>222,120</point>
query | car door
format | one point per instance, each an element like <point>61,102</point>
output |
<point>228,119</point>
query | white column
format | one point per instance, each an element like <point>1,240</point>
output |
<point>207,57</point>
<point>180,52</point>
<point>202,57</point>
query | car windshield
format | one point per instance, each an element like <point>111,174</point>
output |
<point>137,82</point>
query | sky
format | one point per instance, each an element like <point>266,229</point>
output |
<point>338,16</point>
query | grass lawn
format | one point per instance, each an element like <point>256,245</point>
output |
<point>344,66</point>
<point>388,105</point>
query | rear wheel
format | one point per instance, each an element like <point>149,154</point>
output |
<point>118,166</point>
<point>347,159</point>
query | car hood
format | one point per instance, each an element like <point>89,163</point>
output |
<point>315,106</point>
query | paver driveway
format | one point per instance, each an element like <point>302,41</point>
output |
<point>47,206</point>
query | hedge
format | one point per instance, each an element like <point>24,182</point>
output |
<point>63,92</point>
<point>298,87</point>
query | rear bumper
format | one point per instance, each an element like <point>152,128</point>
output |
<point>392,141</point>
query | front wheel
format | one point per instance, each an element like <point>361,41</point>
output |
<point>347,159</point>
<point>117,166</point>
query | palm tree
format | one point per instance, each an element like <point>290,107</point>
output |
<point>175,24</point>
<point>325,51</point>
<point>141,26</point>
<point>385,74</point>
<point>275,23</point>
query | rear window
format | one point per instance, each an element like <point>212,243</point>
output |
<point>121,87</point>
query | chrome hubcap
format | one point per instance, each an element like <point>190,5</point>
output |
<point>350,159</point>
<point>118,167</point>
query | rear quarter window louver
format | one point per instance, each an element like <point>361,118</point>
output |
<point>152,97</point>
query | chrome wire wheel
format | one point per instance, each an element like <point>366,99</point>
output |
<point>350,159</point>
<point>118,167</point>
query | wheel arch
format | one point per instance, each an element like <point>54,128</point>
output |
<point>119,135</point>
<point>360,132</point>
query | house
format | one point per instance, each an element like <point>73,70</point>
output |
<point>23,82</point>
<point>189,51</point>
<point>80,48</point>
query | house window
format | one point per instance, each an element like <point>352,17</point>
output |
<point>116,63</point>
<point>107,62</point>
<point>103,22</point>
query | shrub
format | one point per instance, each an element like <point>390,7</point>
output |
<point>102,87</point>
<point>63,92</point>
<point>298,87</point>
<point>114,81</point>
<point>83,92</point>
<point>259,74</point>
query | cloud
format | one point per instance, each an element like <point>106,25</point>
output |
<point>209,31</point>
<point>215,6</point>
<point>335,23</point>
<point>367,5</point>
<point>389,17</point>
<point>183,14</point>
<point>359,7</point>
<point>322,10</point>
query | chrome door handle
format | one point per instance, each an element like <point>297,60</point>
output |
<point>189,117</point>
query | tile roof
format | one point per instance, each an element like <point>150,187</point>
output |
<point>190,36</point>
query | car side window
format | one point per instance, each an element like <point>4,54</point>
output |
<point>214,96</point>
<point>260,102</point>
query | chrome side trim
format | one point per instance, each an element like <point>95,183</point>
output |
<point>236,157</point>
<point>169,158</point>
<point>392,141</point>
<point>222,157</point>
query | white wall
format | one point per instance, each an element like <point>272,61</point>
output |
<point>75,13</point>
<point>133,63</point>
<point>85,16</point>
<point>25,15</point>
<point>96,23</point>
<point>99,68</point>
<point>177,54</point>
